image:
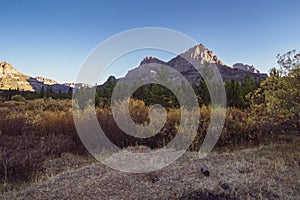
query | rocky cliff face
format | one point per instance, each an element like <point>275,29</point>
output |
<point>245,67</point>
<point>10,78</point>
<point>198,55</point>
<point>6,70</point>
<point>46,80</point>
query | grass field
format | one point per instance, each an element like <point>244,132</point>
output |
<point>265,172</point>
<point>41,156</point>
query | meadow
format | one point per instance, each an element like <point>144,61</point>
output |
<point>36,131</point>
<point>39,141</point>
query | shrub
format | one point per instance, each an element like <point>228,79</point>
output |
<point>12,124</point>
<point>18,98</point>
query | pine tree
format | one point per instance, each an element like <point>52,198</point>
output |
<point>233,93</point>
<point>203,93</point>
<point>42,92</point>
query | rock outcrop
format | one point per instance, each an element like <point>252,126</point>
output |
<point>151,59</point>
<point>201,53</point>
<point>10,78</point>
<point>246,68</point>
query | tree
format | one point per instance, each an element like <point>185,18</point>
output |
<point>142,93</point>
<point>83,97</point>
<point>277,102</point>
<point>70,92</point>
<point>49,92</point>
<point>202,92</point>
<point>233,93</point>
<point>163,76</point>
<point>248,86</point>
<point>161,93</point>
<point>105,93</point>
<point>42,92</point>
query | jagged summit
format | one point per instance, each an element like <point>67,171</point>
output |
<point>246,67</point>
<point>200,52</point>
<point>151,59</point>
<point>7,70</point>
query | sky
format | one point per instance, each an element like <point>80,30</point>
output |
<point>53,38</point>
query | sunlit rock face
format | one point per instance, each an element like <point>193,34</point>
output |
<point>246,68</point>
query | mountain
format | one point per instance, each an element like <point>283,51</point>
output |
<point>10,78</point>
<point>198,55</point>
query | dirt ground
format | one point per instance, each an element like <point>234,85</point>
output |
<point>265,172</point>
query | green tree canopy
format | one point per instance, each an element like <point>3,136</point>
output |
<point>277,102</point>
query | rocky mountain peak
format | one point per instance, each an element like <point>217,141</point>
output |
<point>111,78</point>
<point>201,53</point>
<point>151,59</point>
<point>195,52</point>
<point>186,64</point>
<point>7,69</point>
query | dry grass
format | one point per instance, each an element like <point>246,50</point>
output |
<point>266,172</point>
<point>38,141</point>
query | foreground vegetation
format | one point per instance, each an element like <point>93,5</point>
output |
<point>265,172</point>
<point>34,132</point>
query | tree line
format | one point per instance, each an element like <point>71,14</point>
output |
<point>236,93</point>
<point>45,92</point>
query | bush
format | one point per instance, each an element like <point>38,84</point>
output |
<point>48,131</point>
<point>18,98</point>
<point>12,124</point>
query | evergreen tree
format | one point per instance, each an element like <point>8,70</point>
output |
<point>203,93</point>
<point>161,93</point>
<point>42,92</point>
<point>248,87</point>
<point>233,93</point>
<point>70,92</point>
<point>142,93</point>
<point>105,93</point>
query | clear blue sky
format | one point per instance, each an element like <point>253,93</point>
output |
<point>52,38</point>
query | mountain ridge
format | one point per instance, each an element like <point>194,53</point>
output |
<point>11,78</point>
<point>198,55</point>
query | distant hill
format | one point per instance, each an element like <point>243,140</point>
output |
<point>11,78</point>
